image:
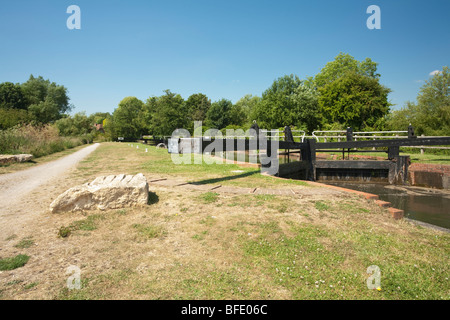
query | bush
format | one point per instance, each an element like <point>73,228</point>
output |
<point>36,140</point>
<point>12,117</point>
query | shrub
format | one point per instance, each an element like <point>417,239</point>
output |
<point>36,140</point>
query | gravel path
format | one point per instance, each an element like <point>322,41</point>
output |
<point>21,192</point>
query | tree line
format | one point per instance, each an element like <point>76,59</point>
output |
<point>345,93</point>
<point>37,101</point>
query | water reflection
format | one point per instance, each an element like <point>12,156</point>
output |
<point>422,204</point>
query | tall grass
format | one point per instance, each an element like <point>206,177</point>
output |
<point>36,140</point>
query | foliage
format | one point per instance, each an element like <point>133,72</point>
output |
<point>47,100</point>
<point>36,140</point>
<point>220,114</point>
<point>288,102</point>
<point>247,105</point>
<point>355,101</point>
<point>169,112</point>
<point>431,114</point>
<point>350,94</point>
<point>10,117</point>
<point>109,128</point>
<point>11,96</point>
<point>126,118</point>
<point>76,125</point>
<point>198,105</point>
<point>35,101</point>
<point>342,64</point>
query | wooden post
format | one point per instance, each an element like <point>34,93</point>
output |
<point>310,154</point>
<point>398,172</point>
<point>393,152</point>
<point>421,149</point>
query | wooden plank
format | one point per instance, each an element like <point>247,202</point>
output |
<point>384,143</point>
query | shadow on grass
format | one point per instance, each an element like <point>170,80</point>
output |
<point>216,180</point>
<point>152,198</point>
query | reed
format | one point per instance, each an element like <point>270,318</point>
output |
<point>36,140</point>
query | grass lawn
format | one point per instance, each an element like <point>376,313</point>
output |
<point>191,244</point>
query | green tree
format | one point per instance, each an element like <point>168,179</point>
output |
<point>219,116</point>
<point>305,107</point>
<point>76,125</point>
<point>247,104</point>
<point>343,64</point>
<point>108,126</point>
<point>12,117</point>
<point>168,112</point>
<point>11,96</point>
<point>400,119</point>
<point>354,100</point>
<point>198,105</point>
<point>350,94</point>
<point>98,117</point>
<point>146,115</point>
<point>430,115</point>
<point>126,118</point>
<point>47,100</point>
<point>238,117</point>
<point>288,102</point>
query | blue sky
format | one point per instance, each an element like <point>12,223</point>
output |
<point>224,49</point>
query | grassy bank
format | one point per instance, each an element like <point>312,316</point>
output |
<point>193,244</point>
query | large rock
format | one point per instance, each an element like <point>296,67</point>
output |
<point>6,159</point>
<point>107,192</point>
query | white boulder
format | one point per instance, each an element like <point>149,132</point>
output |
<point>106,192</point>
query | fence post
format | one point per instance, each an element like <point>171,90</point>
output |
<point>421,149</point>
<point>349,134</point>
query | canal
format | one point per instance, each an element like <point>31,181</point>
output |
<point>427,205</point>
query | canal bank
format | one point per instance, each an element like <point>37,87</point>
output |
<point>424,197</point>
<point>431,206</point>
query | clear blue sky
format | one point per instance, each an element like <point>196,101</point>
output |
<point>224,49</point>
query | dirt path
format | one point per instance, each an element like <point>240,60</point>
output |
<point>24,194</point>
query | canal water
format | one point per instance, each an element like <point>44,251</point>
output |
<point>431,206</point>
